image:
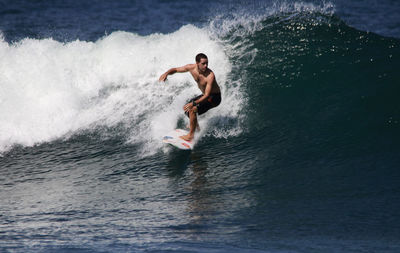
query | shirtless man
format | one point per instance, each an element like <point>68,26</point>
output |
<point>211,93</point>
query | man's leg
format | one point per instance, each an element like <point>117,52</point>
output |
<point>193,124</point>
<point>197,126</point>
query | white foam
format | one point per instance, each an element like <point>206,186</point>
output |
<point>50,90</point>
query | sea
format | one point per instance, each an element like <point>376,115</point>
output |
<point>301,156</point>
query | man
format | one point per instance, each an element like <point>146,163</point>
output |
<point>211,93</point>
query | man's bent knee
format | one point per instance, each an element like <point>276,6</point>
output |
<point>194,111</point>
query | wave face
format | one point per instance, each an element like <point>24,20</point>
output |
<point>309,74</point>
<point>302,154</point>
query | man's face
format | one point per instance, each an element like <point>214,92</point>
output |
<point>202,65</point>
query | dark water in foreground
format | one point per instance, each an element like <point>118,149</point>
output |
<point>301,156</point>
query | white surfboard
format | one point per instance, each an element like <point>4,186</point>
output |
<point>173,139</point>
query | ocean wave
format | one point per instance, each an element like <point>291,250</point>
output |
<point>51,90</point>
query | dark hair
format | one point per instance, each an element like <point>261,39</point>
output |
<point>200,56</point>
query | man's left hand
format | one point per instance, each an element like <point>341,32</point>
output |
<point>188,107</point>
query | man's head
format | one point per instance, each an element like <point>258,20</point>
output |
<point>202,62</point>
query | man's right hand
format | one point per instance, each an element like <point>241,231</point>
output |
<point>163,77</point>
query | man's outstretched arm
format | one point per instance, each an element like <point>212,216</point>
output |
<point>172,71</point>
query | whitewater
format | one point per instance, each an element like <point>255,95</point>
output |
<point>52,90</point>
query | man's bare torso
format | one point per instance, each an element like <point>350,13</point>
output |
<point>201,79</point>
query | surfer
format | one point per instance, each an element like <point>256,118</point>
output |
<point>211,93</point>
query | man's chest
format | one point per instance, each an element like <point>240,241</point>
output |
<point>201,80</point>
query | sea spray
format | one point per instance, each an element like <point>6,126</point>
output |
<point>51,90</point>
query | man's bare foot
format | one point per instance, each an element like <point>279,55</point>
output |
<point>187,137</point>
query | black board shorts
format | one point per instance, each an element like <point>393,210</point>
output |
<point>212,101</point>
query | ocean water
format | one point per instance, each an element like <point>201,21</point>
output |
<point>302,155</point>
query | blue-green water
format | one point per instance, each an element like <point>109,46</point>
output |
<point>302,155</point>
